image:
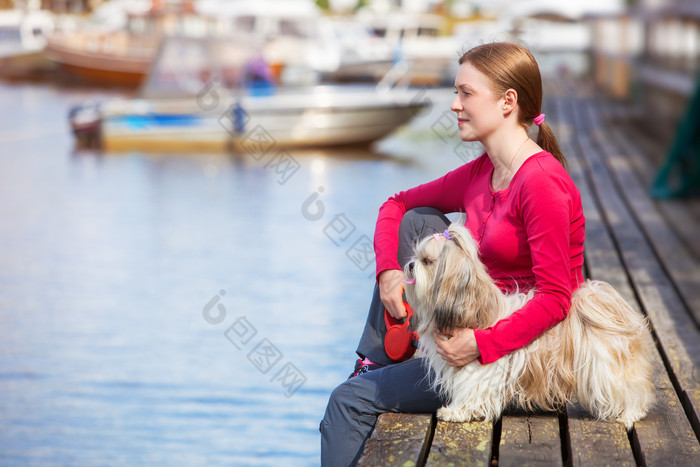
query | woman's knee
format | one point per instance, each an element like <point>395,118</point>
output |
<point>416,224</point>
<point>343,402</point>
<point>417,218</point>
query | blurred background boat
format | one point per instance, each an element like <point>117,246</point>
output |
<point>23,35</point>
<point>207,95</point>
<point>423,41</point>
<point>295,35</point>
<point>120,41</point>
<point>315,116</point>
<point>177,51</point>
<point>117,43</point>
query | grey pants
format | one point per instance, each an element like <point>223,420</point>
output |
<point>354,406</point>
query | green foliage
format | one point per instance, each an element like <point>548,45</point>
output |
<point>360,4</point>
<point>323,4</point>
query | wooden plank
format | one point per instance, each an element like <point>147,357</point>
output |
<point>592,442</point>
<point>694,207</point>
<point>682,214</point>
<point>665,433</point>
<point>681,336</point>
<point>678,213</point>
<point>529,440</point>
<point>679,262</point>
<point>398,439</point>
<point>456,444</point>
<point>597,442</point>
<point>664,436</point>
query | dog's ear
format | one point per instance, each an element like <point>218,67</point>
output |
<point>463,293</point>
<point>453,275</point>
<point>464,240</point>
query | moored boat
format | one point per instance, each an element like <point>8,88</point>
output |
<point>211,95</point>
<point>22,41</point>
<point>117,46</point>
<point>318,116</point>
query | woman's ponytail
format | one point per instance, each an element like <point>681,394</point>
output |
<point>547,141</point>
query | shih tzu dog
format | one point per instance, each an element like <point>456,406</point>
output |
<point>599,354</point>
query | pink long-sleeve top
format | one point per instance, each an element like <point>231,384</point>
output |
<point>530,234</point>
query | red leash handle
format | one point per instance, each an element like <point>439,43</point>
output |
<point>398,341</point>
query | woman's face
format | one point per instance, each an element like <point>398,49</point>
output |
<point>479,111</point>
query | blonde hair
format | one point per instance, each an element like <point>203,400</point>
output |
<point>511,66</point>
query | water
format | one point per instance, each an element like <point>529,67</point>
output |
<point>110,263</point>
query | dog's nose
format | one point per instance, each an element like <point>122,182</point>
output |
<point>410,267</point>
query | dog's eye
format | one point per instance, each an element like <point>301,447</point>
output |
<point>426,261</point>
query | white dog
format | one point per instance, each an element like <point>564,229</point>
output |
<point>599,353</point>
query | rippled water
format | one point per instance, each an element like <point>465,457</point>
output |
<point>110,263</point>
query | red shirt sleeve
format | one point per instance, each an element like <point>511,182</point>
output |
<point>445,194</point>
<point>545,205</point>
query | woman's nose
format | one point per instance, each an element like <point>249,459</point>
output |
<point>456,105</point>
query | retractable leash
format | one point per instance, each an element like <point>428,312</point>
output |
<point>400,341</point>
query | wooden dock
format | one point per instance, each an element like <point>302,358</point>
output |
<point>650,251</point>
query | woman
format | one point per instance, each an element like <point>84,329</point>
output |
<point>522,208</point>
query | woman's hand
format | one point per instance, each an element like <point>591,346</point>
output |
<point>391,291</point>
<point>458,347</point>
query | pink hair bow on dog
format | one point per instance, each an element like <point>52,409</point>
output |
<point>445,234</point>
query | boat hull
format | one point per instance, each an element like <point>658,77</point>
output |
<point>100,67</point>
<point>25,65</point>
<point>255,125</point>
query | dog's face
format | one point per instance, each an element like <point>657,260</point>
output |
<point>447,284</point>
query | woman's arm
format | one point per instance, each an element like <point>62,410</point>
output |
<point>547,209</point>
<point>444,194</point>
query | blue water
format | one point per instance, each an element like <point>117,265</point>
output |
<point>117,345</point>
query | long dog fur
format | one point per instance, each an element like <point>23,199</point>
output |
<point>599,353</point>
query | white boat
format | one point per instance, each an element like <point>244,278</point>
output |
<point>318,116</point>
<point>418,40</point>
<point>202,95</point>
<point>22,41</point>
<point>295,33</point>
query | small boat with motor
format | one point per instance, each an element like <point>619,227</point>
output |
<point>316,116</point>
<point>205,103</point>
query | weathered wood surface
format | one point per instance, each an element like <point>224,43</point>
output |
<point>398,439</point>
<point>592,442</point>
<point>681,215</point>
<point>595,442</point>
<point>456,444</point>
<point>631,244</point>
<point>672,255</point>
<point>666,432</point>
<point>528,440</point>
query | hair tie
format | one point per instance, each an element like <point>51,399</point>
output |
<point>539,119</point>
<point>445,234</point>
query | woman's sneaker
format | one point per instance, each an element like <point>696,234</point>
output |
<point>363,366</point>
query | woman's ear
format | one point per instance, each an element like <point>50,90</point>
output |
<point>510,99</point>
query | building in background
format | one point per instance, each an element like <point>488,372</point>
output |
<point>649,55</point>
